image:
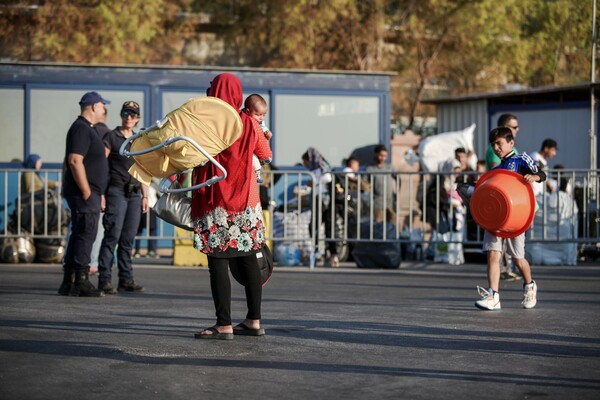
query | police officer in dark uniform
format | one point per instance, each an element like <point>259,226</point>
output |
<point>85,179</point>
<point>125,197</point>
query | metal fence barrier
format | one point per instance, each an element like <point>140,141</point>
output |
<point>416,209</point>
<point>420,211</point>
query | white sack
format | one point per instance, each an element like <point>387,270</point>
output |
<point>437,149</point>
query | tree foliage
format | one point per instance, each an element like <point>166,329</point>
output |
<point>313,34</point>
<point>435,46</point>
<point>557,39</point>
<point>108,31</point>
<point>440,46</point>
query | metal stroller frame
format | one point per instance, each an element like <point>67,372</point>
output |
<point>165,183</point>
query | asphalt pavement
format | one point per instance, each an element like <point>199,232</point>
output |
<point>331,333</point>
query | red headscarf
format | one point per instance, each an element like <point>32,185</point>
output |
<point>232,193</point>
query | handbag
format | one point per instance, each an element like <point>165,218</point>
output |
<point>176,209</point>
<point>265,264</point>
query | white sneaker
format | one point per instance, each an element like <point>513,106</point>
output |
<point>488,301</point>
<point>529,295</point>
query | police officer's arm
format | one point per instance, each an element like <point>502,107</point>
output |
<point>144,199</point>
<point>78,171</point>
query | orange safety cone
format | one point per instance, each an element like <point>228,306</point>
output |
<point>503,203</point>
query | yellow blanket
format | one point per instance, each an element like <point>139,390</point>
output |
<point>209,121</point>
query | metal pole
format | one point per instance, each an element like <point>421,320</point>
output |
<point>593,143</point>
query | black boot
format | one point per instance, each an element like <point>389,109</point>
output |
<point>106,287</point>
<point>130,286</point>
<point>67,283</point>
<point>82,286</point>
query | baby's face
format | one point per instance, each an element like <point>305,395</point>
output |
<point>258,111</point>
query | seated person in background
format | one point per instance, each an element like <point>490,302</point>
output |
<point>473,178</point>
<point>352,167</point>
<point>31,180</point>
<point>349,175</point>
<point>439,198</point>
<point>563,179</point>
<point>383,186</point>
<point>461,155</point>
<point>547,152</point>
<point>314,161</point>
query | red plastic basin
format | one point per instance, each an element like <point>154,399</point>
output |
<point>503,203</point>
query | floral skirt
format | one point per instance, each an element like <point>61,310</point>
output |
<point>222,233</point>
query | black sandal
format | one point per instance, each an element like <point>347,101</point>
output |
<point>214,335</point>
<point>245,330</point>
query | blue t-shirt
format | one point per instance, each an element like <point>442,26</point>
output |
<point>519,163</point>
<point>83,139</point>
<point>522,164</point>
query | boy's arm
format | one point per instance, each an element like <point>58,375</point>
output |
<point>542,175</point>
<point>539,176</point>
<point>532,172</point>
<point>534,175</point>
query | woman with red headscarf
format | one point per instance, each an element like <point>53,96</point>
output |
<point>228,218</point>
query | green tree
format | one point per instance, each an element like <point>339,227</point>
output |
<point>459,46</point>
<point>108,31</point>
<point>435,46</point>
<point>466,46</point>
<point>313,34</point>
<point>557,42</point>
<point>17,30</point>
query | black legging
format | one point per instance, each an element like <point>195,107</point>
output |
<point>220,286</point>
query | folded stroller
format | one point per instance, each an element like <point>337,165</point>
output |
<point>187,137</point>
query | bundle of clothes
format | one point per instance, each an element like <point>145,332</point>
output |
<point>40,213</point>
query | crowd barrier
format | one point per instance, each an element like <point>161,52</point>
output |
<point>421,212</point>
<point>416,211</point>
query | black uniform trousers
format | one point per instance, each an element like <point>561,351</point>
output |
<point>85,215</point>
